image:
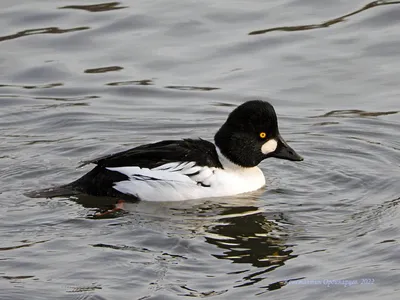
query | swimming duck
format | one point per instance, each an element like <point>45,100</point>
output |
<point>175,170</point>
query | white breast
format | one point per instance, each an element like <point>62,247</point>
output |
<point>185,180</point>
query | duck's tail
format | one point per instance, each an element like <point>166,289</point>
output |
<point>58,191</point>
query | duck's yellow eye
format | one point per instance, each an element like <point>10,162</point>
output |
<point>263,135</point>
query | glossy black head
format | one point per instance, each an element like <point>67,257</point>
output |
<point>251,134</point>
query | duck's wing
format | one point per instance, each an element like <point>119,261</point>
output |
<point>174,170</point>
<point>150,156</point>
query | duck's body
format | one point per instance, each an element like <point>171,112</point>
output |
<point>173,170</point>
<point>190,169</point>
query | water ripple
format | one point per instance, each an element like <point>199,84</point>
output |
<point>96,7</point>
<point>47,30</point>
<point>325,24</point>
<point>82,80</point>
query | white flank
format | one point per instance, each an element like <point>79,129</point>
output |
<point>269,146</point>
<point>185,180</point>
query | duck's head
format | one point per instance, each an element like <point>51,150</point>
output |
<point>251,134</point>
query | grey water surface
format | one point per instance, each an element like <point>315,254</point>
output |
<point>80,79</point>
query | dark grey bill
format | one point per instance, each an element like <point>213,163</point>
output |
<point>284,151</point>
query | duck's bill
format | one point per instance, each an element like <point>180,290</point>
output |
<point>284,151</point>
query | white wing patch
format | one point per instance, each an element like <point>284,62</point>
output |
<point>172,181</point>
<point>186,180</point>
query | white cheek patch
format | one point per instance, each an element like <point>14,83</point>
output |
<point>269,146</point>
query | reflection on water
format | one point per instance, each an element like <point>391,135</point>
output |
<point>355,113</point>
<point>24,245</point>
<point>104,69</point>
<point>96,7</point>
<point>69,99</point>
<point>151,82</point>
<point>29,87</point>
<point>250,239</point>
<point>48,30</point>
<point>191,88</point>
<point>132,82</point>
<point>326,23</point>
<point>244,234</point>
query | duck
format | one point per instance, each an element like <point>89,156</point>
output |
<point>177,170</point>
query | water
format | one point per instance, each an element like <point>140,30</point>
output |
<point>80,80</point>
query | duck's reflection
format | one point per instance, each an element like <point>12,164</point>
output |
<point>249,238</point>
<point>246,233</point>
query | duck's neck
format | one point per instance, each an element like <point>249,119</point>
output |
<point>226,162</point>
<point>221,141</point>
